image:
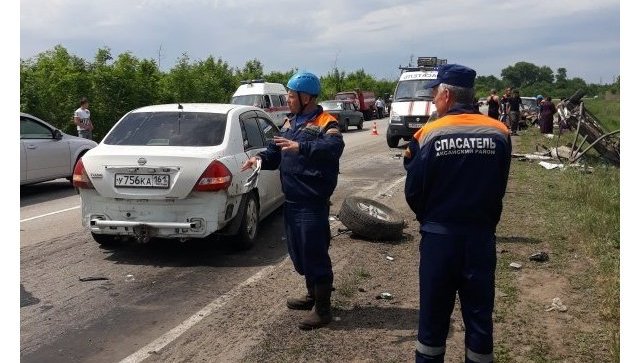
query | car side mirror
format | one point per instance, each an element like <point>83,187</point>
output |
<point>57,134</point>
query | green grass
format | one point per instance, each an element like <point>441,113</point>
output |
<point>576,212</point>
<point>607,112</point>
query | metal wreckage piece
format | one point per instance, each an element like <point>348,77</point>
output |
<point>574,115</point>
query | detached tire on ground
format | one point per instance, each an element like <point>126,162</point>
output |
<point>371,219</point>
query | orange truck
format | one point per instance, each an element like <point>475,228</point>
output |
<point>365,100</point>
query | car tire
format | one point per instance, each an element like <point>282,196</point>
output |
<point>344,125</point>
<point>392,141</point>
<point>371,219</point>
<point>248,231</point>
<point>361,123</point>
<point>106,240</point>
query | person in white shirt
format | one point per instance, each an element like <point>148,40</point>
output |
<point>82,119</point>
<point>380,107</point>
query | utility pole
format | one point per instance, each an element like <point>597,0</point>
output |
<point>159,55</point>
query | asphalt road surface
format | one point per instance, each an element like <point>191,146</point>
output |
<point>139,292</point>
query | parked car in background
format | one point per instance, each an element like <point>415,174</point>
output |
<point>46,153</point>
<point>365,102</point>
<point>174,171</point>
<point>529,112</point>
<point>345,112</point>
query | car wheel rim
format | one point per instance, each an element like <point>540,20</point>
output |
<point>374,211</point>
<point>252,218</point>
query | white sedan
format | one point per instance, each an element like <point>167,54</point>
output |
<point>47,153</point>
<point>173,171</point>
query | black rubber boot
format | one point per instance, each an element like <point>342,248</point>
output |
<point>303,303</point>
<point>321,313</point>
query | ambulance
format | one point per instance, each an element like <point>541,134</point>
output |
<point>412,105</point>
<point>271,97</point>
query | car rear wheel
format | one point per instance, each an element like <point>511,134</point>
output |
<point>106,240</point>
<point>249,224</point>
<point>344,125</point>
<point>361,123</point>
<point>393,141</point>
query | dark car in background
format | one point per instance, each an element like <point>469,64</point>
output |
<point>345,112</point>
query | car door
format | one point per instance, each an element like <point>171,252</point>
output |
<point>45,157</point>
<point>274,195</point>
<point>350,111</point>
<point>253,143</point>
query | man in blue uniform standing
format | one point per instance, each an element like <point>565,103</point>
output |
<point>457,171</point>
<point>308,154</point>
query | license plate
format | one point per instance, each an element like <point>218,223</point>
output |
<point>142,180</point>
<point>415,125</point>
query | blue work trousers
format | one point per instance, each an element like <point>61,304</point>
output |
<point>462,263</point>
<point>308,237</point>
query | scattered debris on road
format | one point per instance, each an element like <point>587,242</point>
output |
<point>390,258</point>
<point>539,257</point>
<point>92,278</point>
<point>129,278</point>
<point>384,296</point>
<point>515,265</point>
<point>556,304</point>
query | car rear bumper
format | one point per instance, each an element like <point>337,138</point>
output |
<point>197,216</point>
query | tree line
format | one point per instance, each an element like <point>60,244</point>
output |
<point>53,82</point>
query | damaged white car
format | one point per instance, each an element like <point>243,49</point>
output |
<point>173,171</point>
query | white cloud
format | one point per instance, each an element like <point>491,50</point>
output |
<point>376,35</point>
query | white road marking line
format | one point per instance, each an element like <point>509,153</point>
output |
<point>49,214</point>
<point>393,185</point>
<point>155,346</point>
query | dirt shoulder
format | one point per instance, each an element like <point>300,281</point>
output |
<point>256,325</point>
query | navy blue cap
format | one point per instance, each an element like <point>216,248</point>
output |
<point>455,75</point>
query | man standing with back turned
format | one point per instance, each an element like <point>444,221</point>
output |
<point>308,155</point>
<point>457,171</point>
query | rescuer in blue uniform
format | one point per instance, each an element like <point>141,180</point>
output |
<point>457,171</point>
<point>308,154</point>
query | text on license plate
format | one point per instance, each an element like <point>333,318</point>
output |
<point>415,125</point>
<point>142,180</point>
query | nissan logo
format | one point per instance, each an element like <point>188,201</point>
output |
<point>142,161</point>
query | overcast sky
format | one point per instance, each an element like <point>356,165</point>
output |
<point>376,35</point>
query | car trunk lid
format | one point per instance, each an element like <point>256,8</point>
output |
<point>150,172</point>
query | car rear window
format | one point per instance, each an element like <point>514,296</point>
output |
<point>331,105</point>
<point>169,129</point>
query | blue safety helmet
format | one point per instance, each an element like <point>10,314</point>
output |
<point>304,82</point>
<point>539,97</point>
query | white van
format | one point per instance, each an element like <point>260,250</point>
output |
<point>412,105</point>
<point>271,97</point>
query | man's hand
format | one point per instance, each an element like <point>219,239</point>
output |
<point>286,145</point>
<point>249,163</point>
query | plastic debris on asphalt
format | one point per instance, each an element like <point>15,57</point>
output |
<point>556,304</point>
<point>539,257</point>
<point>129,278</point>
<point>515,265</point>
<point>390,258</point>
<point>385,296</point>
<point>92,278</point>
